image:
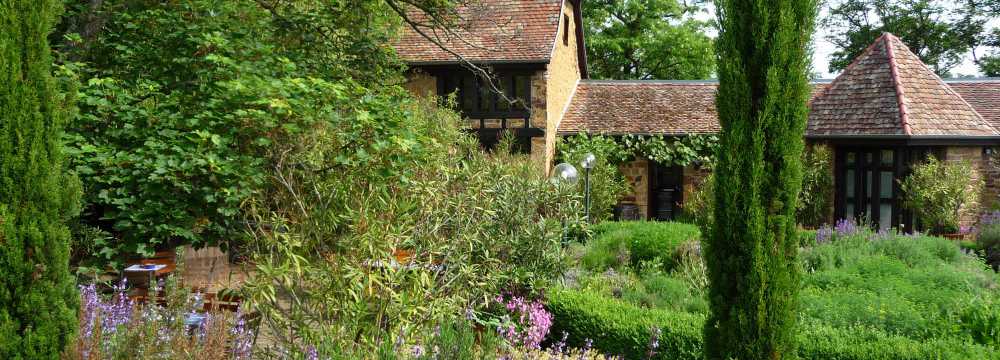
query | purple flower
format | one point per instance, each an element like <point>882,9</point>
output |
<point>417,351</point>
<point>532,319</point>
<point>824,235</point>
<point>846,227</point>
<point>311,353</point>
<point>990,218</point>
<point>242,337</point>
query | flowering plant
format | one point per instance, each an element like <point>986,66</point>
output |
<point>116,327</point>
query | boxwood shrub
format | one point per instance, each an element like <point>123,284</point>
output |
<point>619,328</point>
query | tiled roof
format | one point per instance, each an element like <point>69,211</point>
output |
<point>983,95</point>
<point>887,90</point>
<point>642,107</point>
<point>645,107</point>
<point>489,31</point>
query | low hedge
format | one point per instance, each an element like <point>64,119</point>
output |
<point>619,328</point>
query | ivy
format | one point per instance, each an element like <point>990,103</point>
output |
<point>698,150</point>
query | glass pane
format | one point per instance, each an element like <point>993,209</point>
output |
<point>885,185</point>
<point>485,97</point>
<point>887,156</point>
<point>468,94</point>
<point>849,210</point>
<point>868,158</point>
<point>850,158</point>
<point>868,184</point>
<point>521,84</point>
<point>849,178</point>
<point>502,103</point>
<point>884,216</point>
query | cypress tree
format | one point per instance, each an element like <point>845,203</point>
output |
<point>37,295</point>
<point>763,66</point>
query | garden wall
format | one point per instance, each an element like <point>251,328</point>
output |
<point>983,168</point>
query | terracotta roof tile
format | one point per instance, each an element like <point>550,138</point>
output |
<point>645,107</point>
<point>489,31</point>
<point>983,95</point>
<point>888,91</point>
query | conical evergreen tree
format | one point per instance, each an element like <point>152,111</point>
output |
<point>37,295</point>
<point>763,58</point>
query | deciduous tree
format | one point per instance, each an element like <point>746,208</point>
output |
<point>940,32</point>
<point>646,39</point>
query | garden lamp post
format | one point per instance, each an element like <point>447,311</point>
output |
<point>564,174</point>
<point>587,163</point>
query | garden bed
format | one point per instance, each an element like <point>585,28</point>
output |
<point>863,296</point>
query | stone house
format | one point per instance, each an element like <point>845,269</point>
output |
<point>885,111</point>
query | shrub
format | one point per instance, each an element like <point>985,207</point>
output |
<point>988,240</point>
<point>641,241</point>
<point>607,184</point>
<point>488,223</point>
<point>619,328</point>
<point>37,197</point>
<point>937,191</point>
<point>817,186</point>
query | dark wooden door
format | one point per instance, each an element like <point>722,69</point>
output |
<point>665,191</point>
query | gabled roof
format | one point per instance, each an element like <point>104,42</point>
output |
<point>983,95</point>
<point>887,90</point>
<point>491,31</point>
<point>646,107</point>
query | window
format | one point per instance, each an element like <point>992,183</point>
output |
<point>565,30</point>
<point>494,109</point>
<point>478,98</point>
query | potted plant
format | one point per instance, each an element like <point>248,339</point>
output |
<point>937,192</point>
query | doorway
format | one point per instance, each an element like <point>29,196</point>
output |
<point>666,191</point>
<point>867,184</point>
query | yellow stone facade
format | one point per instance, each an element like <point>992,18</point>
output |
<point>551,89</point>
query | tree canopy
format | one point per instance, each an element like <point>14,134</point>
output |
<point>647,39</point>
<point>940,32</point>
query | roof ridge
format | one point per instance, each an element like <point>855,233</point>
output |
<point>903,115</point>
<point>849,67</point>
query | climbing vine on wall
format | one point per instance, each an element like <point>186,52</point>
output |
<point>696,150</point>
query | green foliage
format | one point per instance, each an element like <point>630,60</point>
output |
<point>937,191</point>
<point>37,197</point>
<point>472,223</point>
<point>656,242</point>
<point>988,240</point>
<point>751,247</point>
<point>184,103</point>
<point>699,206</point>
<point>696,150</point>
<point>917,287</point>
<point>647,39</point>
<point>607,184</point>
<point>940,32</point>
<point>816,197</point>
<point>617,327</point>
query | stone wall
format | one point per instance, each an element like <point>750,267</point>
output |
<point>561,77</point>
<point>637,176</point>
<point>693,178</point>
<point>981,167</point>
